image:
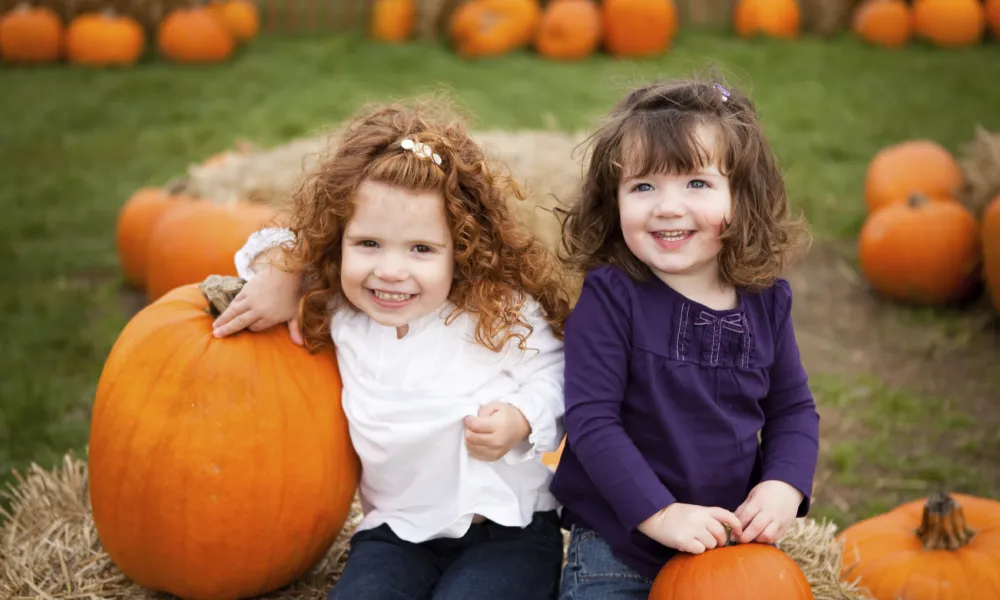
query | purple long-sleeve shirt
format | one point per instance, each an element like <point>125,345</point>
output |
<point>664,401</point>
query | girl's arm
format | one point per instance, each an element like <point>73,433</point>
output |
<point>260,245</point>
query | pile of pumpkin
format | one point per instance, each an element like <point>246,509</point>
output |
<point>105,37</point>
<point>942,23</point>
<point>931,236</point>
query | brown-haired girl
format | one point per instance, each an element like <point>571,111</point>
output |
<point>446,319</point>
<point>681,346</point>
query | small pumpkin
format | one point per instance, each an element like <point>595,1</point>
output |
<point>887,23</point>
<point>551,459</point>
<point>481,28</point>
<point>638,28</point>
<point>218,468</point>
<point>240,17</point>
<point>912,166</point>
<point>992,13</point>
<point>392,20</point>
<point>922,253</point>
<point>943,546</point>
<point>771,18</point>
<point>194,35</point>
<point>991,250</point>
<point>754,571</point>
<point>104,38</point>
<point>198,239</point>
<point>31,35</point>
<point>949,23</point>
<point>136,220</point>
<point>569,30</point>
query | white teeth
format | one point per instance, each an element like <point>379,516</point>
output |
<point>671,236</point>
<point>391,297</point>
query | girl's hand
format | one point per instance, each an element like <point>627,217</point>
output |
<point>498,428</point>
<point>691,528</point>
<point>271,297</point>
<point>768,511</point>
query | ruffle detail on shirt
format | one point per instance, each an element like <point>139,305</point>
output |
<point>542,427</point>
<point>719,340</point>
<point>260,241</point>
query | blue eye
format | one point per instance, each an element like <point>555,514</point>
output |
<point>698,183</point>
<point>646,186</point>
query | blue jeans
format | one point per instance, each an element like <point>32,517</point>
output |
<point>490,562</point>
<point>593,573</point>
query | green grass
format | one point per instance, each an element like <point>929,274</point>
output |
<point>74,143</point>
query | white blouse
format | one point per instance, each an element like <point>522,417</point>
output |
<point>406,399</point>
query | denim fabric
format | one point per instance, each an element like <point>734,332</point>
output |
<point>491,562</point>
<point>593,573</point>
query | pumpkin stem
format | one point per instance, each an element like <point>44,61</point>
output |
<point>943,524</point>
<point>917,199</point>
<point>219,291</point>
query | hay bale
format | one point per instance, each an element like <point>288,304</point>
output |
<point>49,547</point>
<point>980,164</point>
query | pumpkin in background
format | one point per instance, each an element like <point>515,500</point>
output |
<point>218,467</point>
<point>31,35</point>
<point>772,18</point>
<point>992,13</point>
<point>944,546</point>
<point>638,28</point>
<point>922,253</point>
<point>481,28</point>
<point>887,23</point>
<point>913,166</point>
<point>194,35</point>
<point>136,220</point>
<point>753,571</point>
<point>199,239</point>
<point>569,30</point>
<point>949,23</point>
<point>103,39</point>
<point>392,20</point>
<point>240,17</point>
<point>991,250</point>
<point>551,459</point>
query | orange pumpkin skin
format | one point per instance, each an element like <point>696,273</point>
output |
<point>240,17</point>
<point>735,572</point>
<point>638,28</point>
<point>924,253</point>
<point>772,18</point>
<point>551,459</point>
<point>886,23</point>
<point>392,20</point>
<point>136,220</point>
<point>886,552</point>
<point>913,166</point>
<point>570,30</point>
<point>481,28</point>
<point>949,23</point>
<point>194,35</point>
<point>992,14</point>
<point>991,250</point>
<point>218,468</point>
<point>104,39</point>
<point>199,239</point>
<point>31,35</point>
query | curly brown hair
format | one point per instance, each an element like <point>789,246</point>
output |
<point>652,130</point>
<point>497,261</point>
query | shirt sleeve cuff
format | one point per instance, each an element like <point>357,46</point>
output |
<point>543,429</point>
<point>643,507</point>
<point>260,241</point>
<point>802,484</point>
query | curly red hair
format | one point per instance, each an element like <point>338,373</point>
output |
<point>497,261</point>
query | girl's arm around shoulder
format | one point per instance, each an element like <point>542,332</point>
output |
<point>260,242</point>
<point>790,435</point>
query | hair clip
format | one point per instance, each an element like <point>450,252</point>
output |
<point>725,92</point>
<point>421,150</point>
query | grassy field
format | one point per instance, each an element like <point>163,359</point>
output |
<point>75,143</point>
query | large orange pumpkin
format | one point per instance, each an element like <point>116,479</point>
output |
<point>199,239</point>
<point>240,17</point>
<point>887,23</point>
<point>991,249</point>
<point>912,166</point>
<point>136,220</point>
<point>30,35</point>
<point>992,8</point>
<point>570,30</point>
<point>638,28</point>
<point>941,547</point>
<point>482,28</point>
<point>104,38</point>
<point>949,23</point>
<point>772,18</point>
<point>194,35</point>
<point>218,468</point>
<point>392,20</point>
<point>735,572</point>
<point>922,253</point>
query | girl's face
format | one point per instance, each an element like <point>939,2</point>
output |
<point>672,222</point>
<point>398,260</point>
